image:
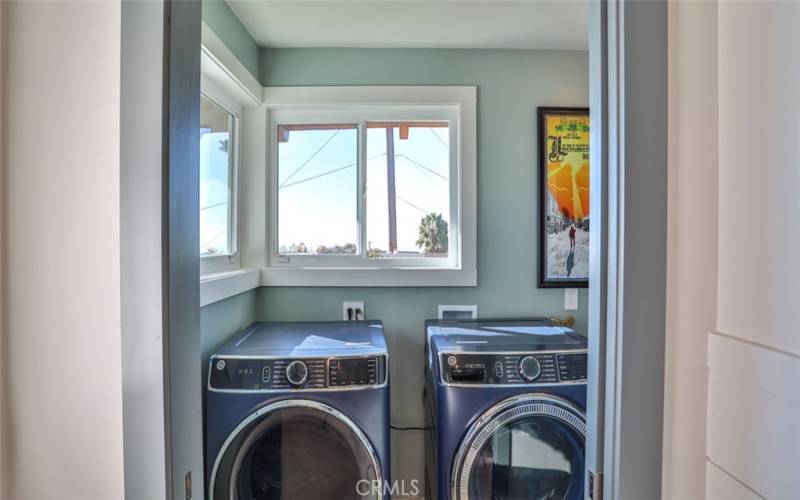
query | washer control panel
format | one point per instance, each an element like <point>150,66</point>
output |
<point>261,374</point>
<point>513,369</point>
<point>346,372</point>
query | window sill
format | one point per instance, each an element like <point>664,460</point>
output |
<point>220,286</point>
<point>368,277</point>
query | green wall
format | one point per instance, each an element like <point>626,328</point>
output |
<point>224,23</point>
<point>511,84</point>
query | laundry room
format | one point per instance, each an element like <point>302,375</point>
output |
<point>382,164</point>
<point>399,249</point>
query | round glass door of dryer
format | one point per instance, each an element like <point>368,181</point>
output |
<point>530,447</point>
<point>296,449</point>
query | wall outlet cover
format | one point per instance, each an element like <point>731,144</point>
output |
<point>353,311</point>
<point>458,312</point>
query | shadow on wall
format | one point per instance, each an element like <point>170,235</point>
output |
<point>222,320</point>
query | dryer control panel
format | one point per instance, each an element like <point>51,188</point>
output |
<point>536,368</point>
<point>285,374</point>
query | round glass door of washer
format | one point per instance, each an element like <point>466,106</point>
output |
<point>296,449</point>
<point>526,447</point>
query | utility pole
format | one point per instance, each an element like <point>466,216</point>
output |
<point>390,185</point>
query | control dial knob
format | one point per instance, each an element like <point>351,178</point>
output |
<point>529,368</point>
<point>297,373</point>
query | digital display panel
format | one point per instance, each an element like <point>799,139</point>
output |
<point>353,371</point>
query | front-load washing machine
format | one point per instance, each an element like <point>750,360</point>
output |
<point>505,407</point>
<point>299,411</point>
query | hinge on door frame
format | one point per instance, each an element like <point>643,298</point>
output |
<point>595,485</point>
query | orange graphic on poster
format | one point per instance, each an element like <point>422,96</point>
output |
<point>567,154</point>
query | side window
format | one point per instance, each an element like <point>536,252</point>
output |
<point>218,189</point>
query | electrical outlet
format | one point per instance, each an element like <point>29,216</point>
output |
<point>570,299</point>
<point>353,311</point>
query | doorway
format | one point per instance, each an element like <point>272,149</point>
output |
<point>627,267</point>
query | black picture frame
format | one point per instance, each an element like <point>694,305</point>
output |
<point>543,281</point>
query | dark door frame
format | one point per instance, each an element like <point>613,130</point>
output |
<point>628,255</point>
<point>182,243</point>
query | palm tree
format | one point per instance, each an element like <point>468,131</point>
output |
<point>433,234</point>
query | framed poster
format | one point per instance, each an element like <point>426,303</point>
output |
<point>563,197</point>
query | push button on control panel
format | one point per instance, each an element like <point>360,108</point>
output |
<point>498,369</point>
<point>266,372</point>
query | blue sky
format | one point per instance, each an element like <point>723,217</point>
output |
<point>322,210</point>
<point>213,192</point>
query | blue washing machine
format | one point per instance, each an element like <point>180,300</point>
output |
<point>505,408</point>
<point>299,411</point>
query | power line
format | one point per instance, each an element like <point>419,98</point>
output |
<point>333,171</point>
<point>413,206</point>
<point>415,162</point>
<point>313,155</point>
<point>438,137</point>
<point>428,177</point>
<point>213,205</point>
<point>214,238</point>
<point>323,174</point>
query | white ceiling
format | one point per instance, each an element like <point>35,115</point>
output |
<point>521,24</point>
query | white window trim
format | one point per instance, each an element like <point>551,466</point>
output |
<point>461,268</point>
<point>219,263</point>
<point>226,79</point>
<point>219,286</point>
<point>220,64</point>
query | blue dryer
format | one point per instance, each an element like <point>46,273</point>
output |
<point>505,407</point>
<point>299,411</point>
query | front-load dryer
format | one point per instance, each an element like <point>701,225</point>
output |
<point>505,407</point>
<point>299,411</point>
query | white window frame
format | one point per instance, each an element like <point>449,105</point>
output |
<point>217,263</point>
<point>360,116</point>
<point>358,105</point>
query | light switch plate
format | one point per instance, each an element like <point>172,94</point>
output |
<point>570,299</point>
